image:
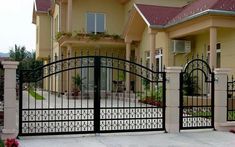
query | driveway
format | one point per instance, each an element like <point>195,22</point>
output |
<point>153,139</point>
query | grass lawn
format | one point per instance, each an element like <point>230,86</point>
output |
<point>35,95</point>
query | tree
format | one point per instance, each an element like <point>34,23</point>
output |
<point>27,60</point>
<point>20,54</point>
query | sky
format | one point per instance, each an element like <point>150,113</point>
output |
<point>16,24</point>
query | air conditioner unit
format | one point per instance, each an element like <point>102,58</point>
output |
<point>181,46</point>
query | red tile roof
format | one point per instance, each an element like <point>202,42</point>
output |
<point>42,5</point>
<point>159,15</point>
<point>202,5</point>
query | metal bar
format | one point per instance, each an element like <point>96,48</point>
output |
<point>164,102</point>
<point>20,102</point>
<point>212,98</point>
<point>97,93</point>
<point>181,97</point>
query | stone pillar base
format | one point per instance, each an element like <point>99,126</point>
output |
<point>8,133</point>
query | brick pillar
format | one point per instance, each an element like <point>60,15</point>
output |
<point>10,107</point>
<point>221,98</point>
<point>172,99</point>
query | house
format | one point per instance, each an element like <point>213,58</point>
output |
<point>68,27</point>
<point>150,30</point>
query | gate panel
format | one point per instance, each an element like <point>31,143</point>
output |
<point>142,108</point>
<point>58,98</point>
<point>197,96</point>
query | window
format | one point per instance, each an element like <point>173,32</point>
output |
<point>218,52</point>
<point>147,58</point>
<point>158,56</point>
<point>95,23</point>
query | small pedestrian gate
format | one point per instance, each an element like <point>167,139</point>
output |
<point>88,94</point>
<point>196,96</point>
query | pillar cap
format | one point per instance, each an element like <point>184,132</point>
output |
<point>222,70</point>
<point>10,64</point>
<point>174,69</point>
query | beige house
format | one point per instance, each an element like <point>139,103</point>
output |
<point>160,32</point>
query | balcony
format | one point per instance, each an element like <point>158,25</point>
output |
<point>90,40</point>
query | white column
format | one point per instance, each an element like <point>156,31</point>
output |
<point>172,99</point>
<point>128,55</point>
<point>221,98</point>
<point>152,49</point>
<point>213,42</point>
<point>10,107</point>
<point>167,54</point>
<point>69,15</point>
<point>69,72</point>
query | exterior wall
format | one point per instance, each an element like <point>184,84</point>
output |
<point>43,43</point>
<point>199,47</point>
<point>226,37</point>
<point>63,17</point>
<point>113,9</point>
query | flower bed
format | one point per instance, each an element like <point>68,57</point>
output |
<point>151,101</point>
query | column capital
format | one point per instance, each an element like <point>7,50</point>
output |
<point>10,64</point>
<point>173,69</point>
<point>213,27</point>
<point>128,40</point>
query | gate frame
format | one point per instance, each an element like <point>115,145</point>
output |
<point>210,74</point>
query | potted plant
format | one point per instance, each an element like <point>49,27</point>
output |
<point>78,84</point>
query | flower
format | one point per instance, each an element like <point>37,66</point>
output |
<point>11,143</point>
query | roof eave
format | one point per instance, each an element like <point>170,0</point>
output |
<point>156,26</point>
<point>206,12</point>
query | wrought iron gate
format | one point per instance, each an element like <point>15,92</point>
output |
<point>196,95</point>
<point>87,94</point>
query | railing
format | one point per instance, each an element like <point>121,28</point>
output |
<point>231,99</point>
<point>1,95</point>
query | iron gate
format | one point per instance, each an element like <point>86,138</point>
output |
<point>87,94</point>
<point>196,95</point>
